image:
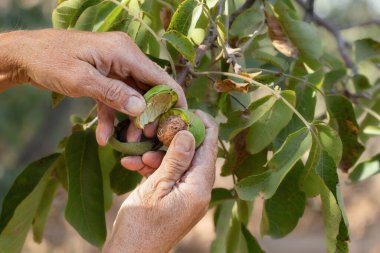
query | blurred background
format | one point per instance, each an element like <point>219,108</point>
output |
<point>30,129</point>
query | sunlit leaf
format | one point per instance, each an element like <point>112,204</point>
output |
<point>365,169</point>
<point>181,43</point>
<point>21,203</point>
<point>285,158</point>
<point>182,17</point>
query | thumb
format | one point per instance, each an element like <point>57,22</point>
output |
<point>178,158</point>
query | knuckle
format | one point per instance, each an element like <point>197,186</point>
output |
<point>112,92</point>
<point>176,164</point>
<point>121,37</point>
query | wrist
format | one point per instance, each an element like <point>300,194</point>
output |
<point>12,69</point>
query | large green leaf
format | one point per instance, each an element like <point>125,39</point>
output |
<point>243,119</point>
<point>42,212</point>
<point>365,169</point>
<point>367,49</point>
<point>85,205</point>
<point>123,180</point>
<point>285,158</point>
<point>344,121</point>
<point>303,35</point>
<point>117,16</point>
<point>181,43</point>
<point>249,188</point>
<point>282,212</point>
<point>94,16</point>
<point>265,130</point>
<point>21,203</point>
<point>182,17</point>
<point>67,13</point>
<point>246,23</point>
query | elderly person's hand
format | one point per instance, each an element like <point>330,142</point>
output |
<point>159,212</point>
<point>108,67</point>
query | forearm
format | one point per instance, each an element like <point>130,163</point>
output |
<point>12,70</point>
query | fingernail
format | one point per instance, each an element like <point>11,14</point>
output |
<point>135,105</point>
<point>184,141</point>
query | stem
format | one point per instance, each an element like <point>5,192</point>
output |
<point>309,84</point>
<point>276,93</point>
<point>90,124</point>
<point>158,39</point>
<point>93,109</point>
<point>371,112</point>
<point>223,147</point>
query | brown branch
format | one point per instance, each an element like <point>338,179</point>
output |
<point>209,41</point>
<point>342,44</point>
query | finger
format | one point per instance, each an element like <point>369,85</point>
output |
<point>132,163</point>
<point>146,171</point>
<point>111,92</point>
<point>106,118</point>
<point>177,159</point>
<point>150,130</point>
<point>133,133</point>
<point>150,73</point>
<point>153,158</point>
<point>203,165</point>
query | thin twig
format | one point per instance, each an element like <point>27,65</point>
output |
<point>341,42</point>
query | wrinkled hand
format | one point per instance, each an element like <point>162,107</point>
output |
<point>159,212</point>
<point>107,67</point>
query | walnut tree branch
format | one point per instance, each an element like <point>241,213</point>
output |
<point>210,39</point>
<point>342,44</point>
<point>365,23</point>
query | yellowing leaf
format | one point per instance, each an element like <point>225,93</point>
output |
<point>228,85</point>
<point>250,75</point>
<point>279,39</point>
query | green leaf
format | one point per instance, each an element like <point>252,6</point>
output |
<point>219,195</point>
<point>282,212</point>
<point>221,220</point>
<point>67,13</point>
<point>107,161</point>
<point>233,236</point>
<point>303,35</point>
<point>244,210</point>
<point>240,120</point>
<point>265,130</point>
<point>85,205</point>
<point>182,17</point>
<point>344,121</point>
<point>42,212</point>
<point>56,99</point>
<point>117,16</point>
<point>247,22</point>
<point>182,44</point>
<point>361,82</point>
<point>367,49</point>
<point>21,203</point>
<point>123,180</point>
<point>330,141</point>
<point>285,158</point>
<point>61,171</point>
<point>94,16</point>
<point>372,130</point>
<point>249,188</point>
<point>252,244</point>
<point>333,77</point>
<point>365,169</point>
<point>199,31</point>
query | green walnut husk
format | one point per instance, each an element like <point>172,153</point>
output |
<point>159,99</point>
<point>177,119</point>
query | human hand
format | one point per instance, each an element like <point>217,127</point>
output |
<point>159,212</point>
<point>108,67</point>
